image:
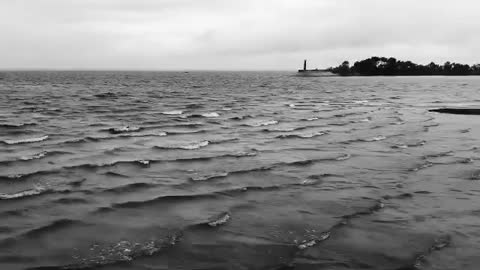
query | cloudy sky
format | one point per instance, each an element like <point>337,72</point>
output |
<point>233,34</point>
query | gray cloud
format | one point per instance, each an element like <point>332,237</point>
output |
<point>226,34</point>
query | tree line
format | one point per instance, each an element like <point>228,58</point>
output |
<point>382,66</point>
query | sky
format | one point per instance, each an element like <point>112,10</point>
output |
<point>233,34</point>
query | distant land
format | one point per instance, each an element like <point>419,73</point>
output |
<point>382,66</point>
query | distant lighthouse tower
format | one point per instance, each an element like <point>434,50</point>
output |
<point>304,64</point>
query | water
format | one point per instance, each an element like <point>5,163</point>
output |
<point>228,170</point>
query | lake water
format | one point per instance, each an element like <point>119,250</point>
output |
<point>237,170</point>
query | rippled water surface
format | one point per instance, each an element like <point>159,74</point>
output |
<point>249,170</point>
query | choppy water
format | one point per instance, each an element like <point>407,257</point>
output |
<point>237,171</point>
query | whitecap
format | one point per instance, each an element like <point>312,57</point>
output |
<point>360,101</point>
<point>344,157</point>
<point>28,140</point>
<point>291,105</point>
<point>306,244</point>
<point>25,193</point>
<point>378,138</point>
<point>311,135</point>
<point>159,134</point>
<point>174,112</point>
<point>194,145</point>
<point>264,123</point>
<point>222,219</point>
<point>34,156</point>
<point>211,114</point>
<point>144,162</point>
<point>312,119</point>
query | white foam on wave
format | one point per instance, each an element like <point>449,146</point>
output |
<point>144,162</point>
<point>312,134</point>
<point>211,114</point>
<point>306,244</point>
<point>159,134</point>
<point>377,138</point>
<point>25,193</point>
<point>344,157</point>
<point>174,112</point>
<point>34,156</point>
<point>28,140</point>
<point>312,119</point>
<point>360,101</point>
<point>264,123</point>
<point>127,129</point>
<point>222,219</point>
<point>193,146</point>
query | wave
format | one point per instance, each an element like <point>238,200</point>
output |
<point>166,199</point>
<point>42,155</point>
<point>377,138</point>
<point>210,115</point>
<point>238,118</point>
<point>15,126</point>
<point>191,146</point>
<point>105,95</point>
<point>344,157</point>
<point>28,140</point>
<point>174,112</point>
<point>234,155</point>
<point>263,123</point>
<point>404,146</point>
<point>303,136</point>
<point>120,252</point>
<point>285,129</point>
<point>310,243</point>
<point>129,187</point>
<point>71,201</point>
<point>124,130</point>
<point>218,220</point>
<point>25,193</point>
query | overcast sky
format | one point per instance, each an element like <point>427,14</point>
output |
<point>233,34</point>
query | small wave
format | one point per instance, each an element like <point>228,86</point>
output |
<point>169,198</point>
<point>151,134</point>
<point>377,138</point>
<point>312,119</point>
<point>210,115</point>
<point>56,225</point>
<point>129,187</point>
<point>124,129</point>
<point>310,243</point>
<point>263,123</point>
<point>303,136</point>
<point>105,95</point>
<point>174,112</point>
<point>344,157</point>
<point>14,126</point>
<point>28,140</point>
<point>219,219</point>
<point>123,251</point>
<point>34,156</point>
<point>209,177</point>
<point>22,194</point>
<point>42,155</point>
<point>360,101</point>
<point>144,162</point>
<point>191,146</point>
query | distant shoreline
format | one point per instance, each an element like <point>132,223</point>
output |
<point>382,66</point>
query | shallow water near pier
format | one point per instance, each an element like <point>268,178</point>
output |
<point>237,170</point>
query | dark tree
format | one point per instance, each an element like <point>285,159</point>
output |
<point>392,67</point>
